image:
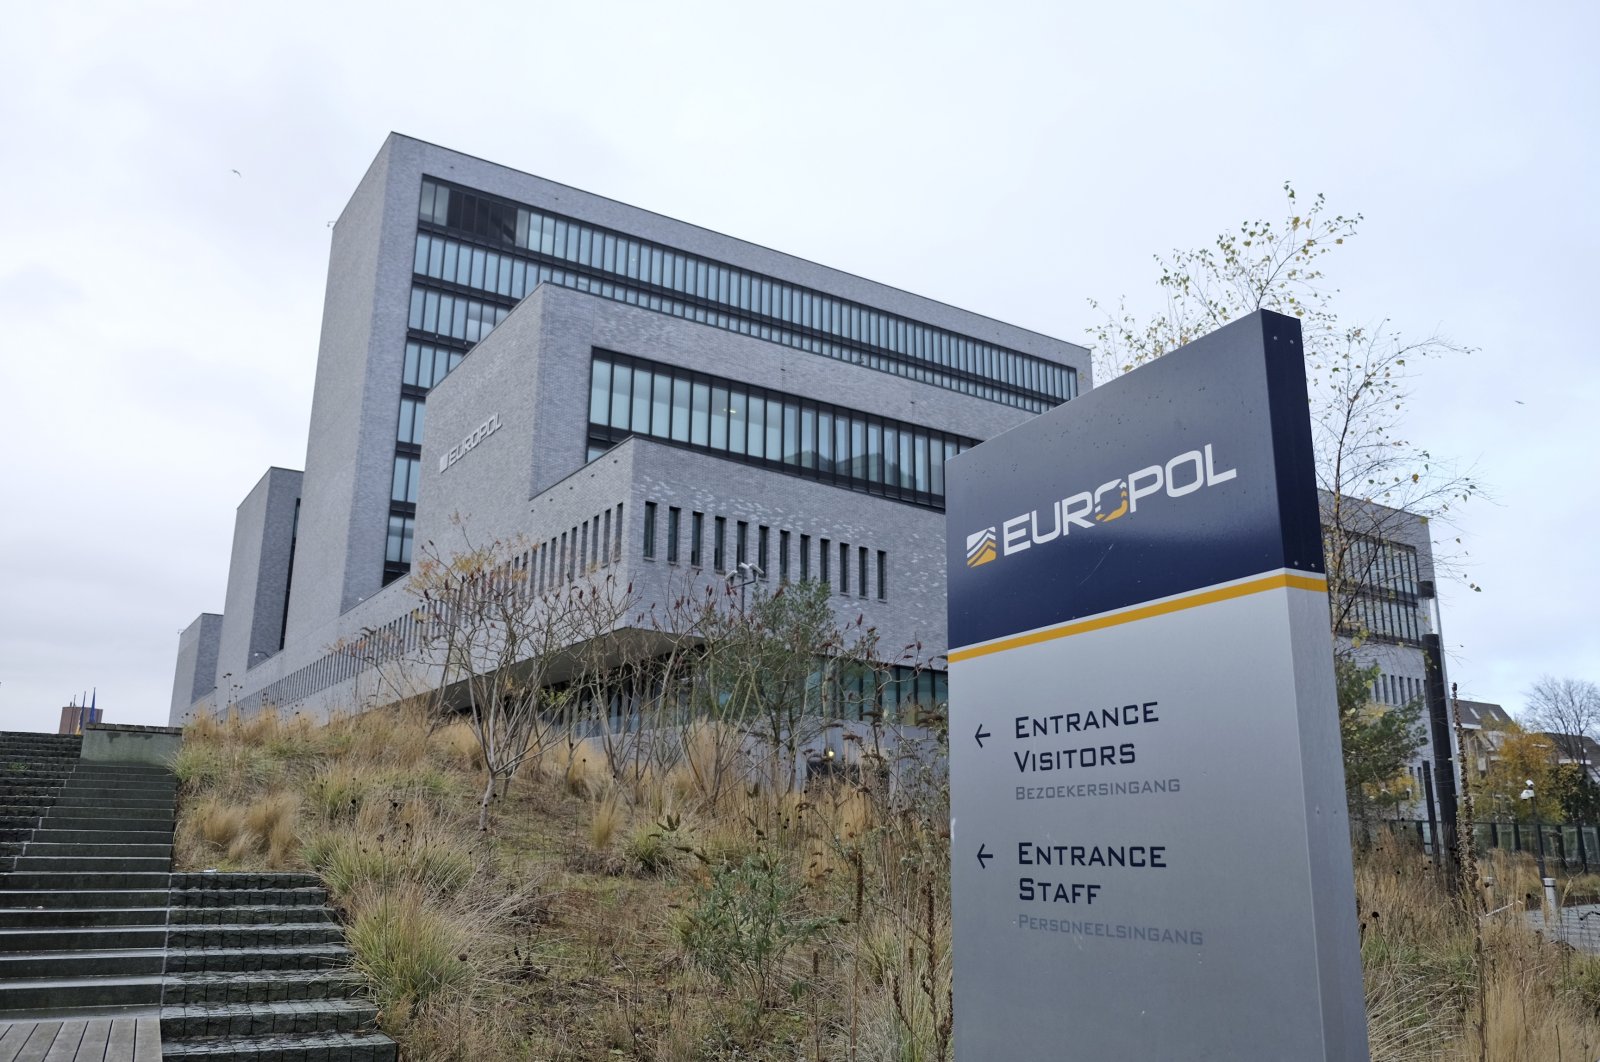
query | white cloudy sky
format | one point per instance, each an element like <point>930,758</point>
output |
<point>162,313</point>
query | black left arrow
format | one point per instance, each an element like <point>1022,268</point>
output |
<point>984,856</point>
<point>981,734</point>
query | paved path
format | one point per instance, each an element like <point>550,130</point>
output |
<point>82,1040</point>
<point>1579,926</point>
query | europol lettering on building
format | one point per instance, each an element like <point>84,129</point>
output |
<point>465,446</point>
<point>1137,593</point>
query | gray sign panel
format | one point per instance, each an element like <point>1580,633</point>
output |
<point>1150,848</point>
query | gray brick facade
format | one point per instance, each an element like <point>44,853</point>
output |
<point>511,425</point>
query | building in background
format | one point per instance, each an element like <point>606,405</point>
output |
<point>75,716</point>
<point>1382,589</point>
<point>643,398</point>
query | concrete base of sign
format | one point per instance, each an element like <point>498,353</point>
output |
<point>154,745</point>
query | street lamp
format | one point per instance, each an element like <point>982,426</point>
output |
<point>1545,879</point>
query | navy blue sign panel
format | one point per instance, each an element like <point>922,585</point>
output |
<point>1214,483</point>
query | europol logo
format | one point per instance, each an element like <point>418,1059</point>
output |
<point>1184,474</point>
<point>981,547</point>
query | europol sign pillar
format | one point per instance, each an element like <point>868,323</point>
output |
<point>1150,849</point>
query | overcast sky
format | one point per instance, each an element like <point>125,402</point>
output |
<point>162,311</point>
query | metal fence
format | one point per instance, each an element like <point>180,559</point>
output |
<point>1573,847</point>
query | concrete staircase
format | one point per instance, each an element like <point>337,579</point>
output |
<point>83,891</point>
<point>257,970</point>
<point>239,967</point>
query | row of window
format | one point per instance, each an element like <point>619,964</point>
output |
<point>631,396</point>
<point>1397,689</point>
<point>470,320</point>
<point>442,314</point>
<point>735,298</point>
<point>835,690</point>
<point>1381,564</point>
<point>1391,619</point>
<point>857,565</point>
<point>596,543</point>
<point>426,364</point>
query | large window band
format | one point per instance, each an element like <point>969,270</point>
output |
<point>877,455</point>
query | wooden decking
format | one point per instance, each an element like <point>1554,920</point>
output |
<point>82,1040</point>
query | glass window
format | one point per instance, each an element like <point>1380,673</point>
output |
<point>741,543</point>
<point>411,417</point>
<point>403,488</point>
<point>861,572</point>
<point>640,421</point>
<point>738,403</point>
<point>673,515</point>
<point>719,418</point>
<point>762,534</point>
<point>660,406</point>
<point>825,442</point>
<point>783,556</point>
<point>844,568</point>
<point>774,450</point>
<point>805,557</point>
<point>680,410</point>
<point>758,427</point>
<point>883,576</point>
<point>824,560</point>
<point>600,392</point>
<point>697,528</point>
<point>719,535</point>
<point>700,415</point>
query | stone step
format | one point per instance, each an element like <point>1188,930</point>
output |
<point>43,864</point>
<point>51,835</point>
<point>260,986</point>
<point>64,916</point>
<point>102,962</point>
<point>244,880</point>
<point>86,819</point>
<point>249,934</point>
<point>111,800</point>
<point>334,1047</point>
<point>81,938</point>
<point>18,772</point>
<point>55,993</point>
<point>252,914</point>
<point>308,957</point>
<point>285,1018</point>
<point>226,898</point>
<point>151,850</point>
<point>111,791</point>
<point>43,881</point>
<point>53,899</point>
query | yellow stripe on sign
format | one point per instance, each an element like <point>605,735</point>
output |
<point>1282,580</point>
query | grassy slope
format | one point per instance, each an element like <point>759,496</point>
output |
<point>671,919</point>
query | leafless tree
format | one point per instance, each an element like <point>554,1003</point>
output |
<point>1568,710</point>
<point>499,649</point>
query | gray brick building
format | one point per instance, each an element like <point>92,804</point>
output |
<point>616,391</point>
